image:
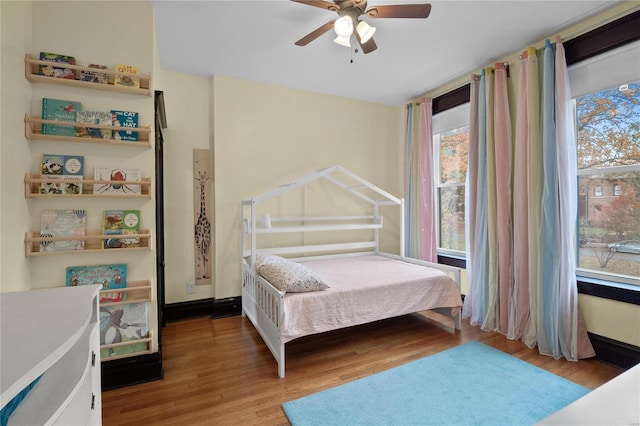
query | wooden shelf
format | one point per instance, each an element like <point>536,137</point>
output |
<point>146,341</point>
<point>31,72</point>
<point>135,292</point>
<point>33,131</point>
<point>32,187</point>
<point>92,242</point>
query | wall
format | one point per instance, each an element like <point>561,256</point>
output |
<point>266,135</point>
<point>615,320</point>
<point>93,32</point>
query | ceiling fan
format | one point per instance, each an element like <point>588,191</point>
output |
<point>348,23</point>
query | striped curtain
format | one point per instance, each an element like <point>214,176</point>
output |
<point>522,231</point>
<point>420,228</point>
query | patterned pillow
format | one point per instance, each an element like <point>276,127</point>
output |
<point>286,275</point>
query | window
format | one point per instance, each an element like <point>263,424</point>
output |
<point>451,143</point>
<point>607,106</point>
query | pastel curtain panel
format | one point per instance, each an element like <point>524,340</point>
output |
<point>420,239</point>
<point>523,234</point>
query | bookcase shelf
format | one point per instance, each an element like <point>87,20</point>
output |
<point>33,131</point>
<point>31,73</point>
<point>144,341</point>
<point>92,242</point>
<point>135,292</point>
<point>32,187</point>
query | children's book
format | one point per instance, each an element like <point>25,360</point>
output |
<point>128,176</point>
<point>54,71</point>
<point>62,223</point>
<point>121,222</point>
<point>61,167</point>
<point>60,110</point>
<point>110,277</point>
<point>124,119</point>
<point>93,117</point>
<point>94,76</point>
<point>123,323</point>
<point>126,80</point>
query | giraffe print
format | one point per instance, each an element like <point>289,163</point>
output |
<point>202,231</point>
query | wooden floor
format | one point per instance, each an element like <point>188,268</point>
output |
<point>219,372</point>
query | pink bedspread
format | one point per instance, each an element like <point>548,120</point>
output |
<point>365,289</point>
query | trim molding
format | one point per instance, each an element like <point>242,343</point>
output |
<point>131,371</point>
<point>619,354</point>
<point>214,308</point>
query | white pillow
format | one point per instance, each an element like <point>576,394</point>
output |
<point>289,276</point>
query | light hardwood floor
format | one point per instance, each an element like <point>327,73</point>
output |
<point>219,372</point>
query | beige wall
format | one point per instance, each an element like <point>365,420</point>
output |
<point>92,32</point>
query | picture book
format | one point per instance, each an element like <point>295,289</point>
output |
<point>124,119</point>
<point>62,223</point>
<point>59,110</point>
<point>111,277</point>
<point>95,76</point>
<point>128,176</point>
<point>61,167</point>
<point>127,80</point>
<point>93,117</point>
<point>54,71</point>
<point>123,323</point>
<point>121,223</point>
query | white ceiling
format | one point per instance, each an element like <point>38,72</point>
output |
<point>254,40</point>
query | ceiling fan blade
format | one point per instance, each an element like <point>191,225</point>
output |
<point>367,47</point>
<point>315,34</point>
<point>320,3</point>
<point>400,11</point>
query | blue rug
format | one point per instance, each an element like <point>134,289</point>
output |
<point>471,384</point>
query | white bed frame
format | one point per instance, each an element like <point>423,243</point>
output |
<point>261,301</point>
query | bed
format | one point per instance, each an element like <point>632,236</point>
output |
<point>320,272</point>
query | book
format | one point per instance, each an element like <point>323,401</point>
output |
<point>60,110</point>
<point>95,76</point>
<point>124,119</point>
<point>126,80</point>
<point>62,223</point>
<point>61,167</point>
<point>123,323</point>
<point>93,117</point>
<point>117,174</point>
<point>57,72</point>
<point>111,277</point>
<point>121,223</point>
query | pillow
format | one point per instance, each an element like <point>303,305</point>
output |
<point>289,276</point>
<point>265,258</point>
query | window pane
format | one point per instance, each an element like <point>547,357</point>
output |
<point>454,146</point>
<point>608,125</point>
<point>452,217</point>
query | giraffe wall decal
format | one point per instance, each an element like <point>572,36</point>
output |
<point>202,226</point>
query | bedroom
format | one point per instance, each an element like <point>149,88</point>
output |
<point>226,100</point>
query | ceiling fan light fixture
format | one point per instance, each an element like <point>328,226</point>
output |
<point>343,28</point>
<point>365,31</point>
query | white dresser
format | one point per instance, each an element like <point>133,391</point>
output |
<point>54,335</point>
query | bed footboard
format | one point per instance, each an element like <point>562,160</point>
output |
<point>264,305</point>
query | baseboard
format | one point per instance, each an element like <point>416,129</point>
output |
<point>619,354</point>
<point>214,308</point>
<point>131,371</point>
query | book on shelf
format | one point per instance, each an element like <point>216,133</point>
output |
<point>110,277</point>
<point>56,71</point>
<point>95,76</point>
<point>93,117</point>
<point>129,177</point>
<point>121,223</point>
<point>59,110</point>
<point>124,119</point>
<point>53,166</point>
<point>126,80</point>
<point>62,223</point>
<point>123,323</point>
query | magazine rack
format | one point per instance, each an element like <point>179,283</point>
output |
<point>31,73</point>
<point>32,187</point>
<point>92,242</point>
